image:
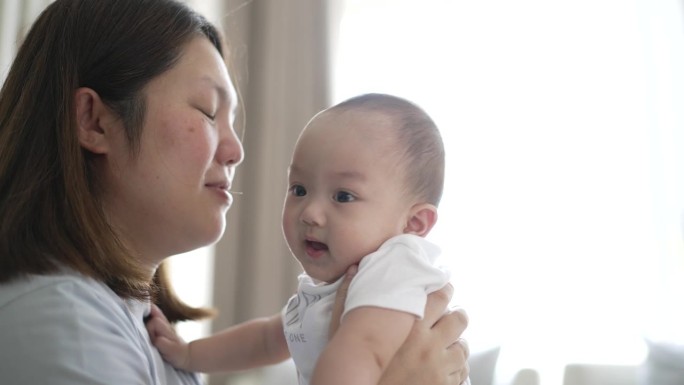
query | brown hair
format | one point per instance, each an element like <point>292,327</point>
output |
<point>422,147</point>
<point>50,209</point>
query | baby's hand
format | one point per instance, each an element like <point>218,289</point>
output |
<point>164,337</point>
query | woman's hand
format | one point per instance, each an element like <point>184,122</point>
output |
<point>433,353</point>
<point>340,297</point>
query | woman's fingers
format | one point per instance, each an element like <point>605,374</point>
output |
<point>446,328</point>
<point>462,376</point>
<point>458,354</point>
<point>451,325</point>
<point>340,298</point>
<point>436,305</point>
<point>433,352</point>
<point>462,344</point>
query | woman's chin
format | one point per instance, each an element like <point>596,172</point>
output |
<point>216,235</point>
<point>209,236</point>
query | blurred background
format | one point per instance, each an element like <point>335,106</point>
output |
<point>562,213</point>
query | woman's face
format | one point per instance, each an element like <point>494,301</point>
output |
<point>172,195</point>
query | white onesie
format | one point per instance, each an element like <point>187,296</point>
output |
<point>398,276</point>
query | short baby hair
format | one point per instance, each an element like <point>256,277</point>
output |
<point>422,149</point>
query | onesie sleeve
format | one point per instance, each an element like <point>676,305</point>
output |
<point>69,333</point>
<point>398,276</point>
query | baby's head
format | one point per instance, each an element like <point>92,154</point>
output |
<point>417,143</point>
<point>363,171</point>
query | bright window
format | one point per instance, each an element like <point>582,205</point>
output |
<point>560,215</point>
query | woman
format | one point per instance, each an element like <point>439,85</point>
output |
<point>117,150</point>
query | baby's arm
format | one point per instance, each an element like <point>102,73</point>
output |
<point>250,344</point>
<point>363,346</point>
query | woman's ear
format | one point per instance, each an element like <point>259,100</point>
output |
<point>422,217</point>
<point>91,113</point>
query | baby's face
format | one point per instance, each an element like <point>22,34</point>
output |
<point>345,195</point>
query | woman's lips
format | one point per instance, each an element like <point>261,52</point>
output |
<point>221,190</point>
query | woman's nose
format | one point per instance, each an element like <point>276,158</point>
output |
<point>230,151</point>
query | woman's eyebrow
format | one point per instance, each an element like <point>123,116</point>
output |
<point>223,93</point>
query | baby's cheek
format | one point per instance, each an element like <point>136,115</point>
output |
<point>353,245</point>
<point>289,223</point>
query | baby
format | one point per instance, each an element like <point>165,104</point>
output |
<point>364,183</point>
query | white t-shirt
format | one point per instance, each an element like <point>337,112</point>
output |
<point>68,329</point>
<point>398,276</point>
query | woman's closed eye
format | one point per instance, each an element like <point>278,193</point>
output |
<point>344,197</point>
<point>209,116</point>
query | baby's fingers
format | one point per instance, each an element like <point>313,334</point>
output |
<point>158,327</point>
<point>155,312</point>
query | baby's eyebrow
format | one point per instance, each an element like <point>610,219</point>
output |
<point>349,175</point>
<point>292,169</point>
<point>343,174</point>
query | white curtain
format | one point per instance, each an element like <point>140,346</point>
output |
<point>280,52</point>
<point>15,18</point>
<point>664,32</point>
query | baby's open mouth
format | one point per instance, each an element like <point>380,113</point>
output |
<point>316,245</point>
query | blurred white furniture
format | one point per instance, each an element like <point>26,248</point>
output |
<point>482,371</point>
<point>483,365</point>
<point>665,363</point>
<point>526,377</point>
<point>593,374</point>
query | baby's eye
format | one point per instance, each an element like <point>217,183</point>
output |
<point>298,190</point>
<point>343,197</point>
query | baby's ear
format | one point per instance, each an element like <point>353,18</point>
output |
<point>422,217</point>
<point>91,118</point>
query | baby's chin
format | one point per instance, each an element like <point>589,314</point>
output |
<point>323,279</point>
